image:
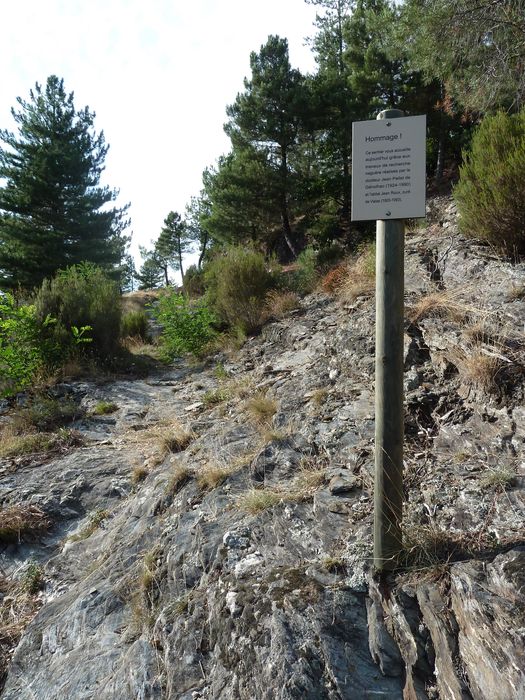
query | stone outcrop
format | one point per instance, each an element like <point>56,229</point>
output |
<point>234,563</point>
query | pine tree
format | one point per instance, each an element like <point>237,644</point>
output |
<point>172,244</point>
<point>267,117</point>
<point>53,209</point>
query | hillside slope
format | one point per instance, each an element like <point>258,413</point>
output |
<point>223,513</point>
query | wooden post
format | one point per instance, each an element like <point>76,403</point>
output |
<point>389,426</point>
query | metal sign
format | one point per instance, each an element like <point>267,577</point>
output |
<point>388,169</point>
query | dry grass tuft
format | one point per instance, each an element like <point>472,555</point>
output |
<point>39,444</point>
<point>45,413</point>
<point>255,501</point>
<point>18,607</point>
<point>500,478</point>
<point>319,396</point>
<point>261,409</point>
<point>139,474</point>
<point>212,475</point>
<point>360,278</point>
<point>163,438</point>
<point>480,368</point>
<point>180,477</point>
<point>22,522</point>
<point>279,304</point>
<point>444,304</point>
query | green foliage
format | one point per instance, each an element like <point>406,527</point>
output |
<point>194,281</point>
<point>103,408</point>
<point>491,191</point>
<point>24,351</point>
<point>45,413</point>
<point>33,578</point>
<point>187,327</point>
<point>237,283</point>
<point>306,275</point>
<point>475,48</point>
<point>53,212</point>
<point>134,324</point>
<point>266,118</point>
<point>82,297</point>
<point>150,274</point>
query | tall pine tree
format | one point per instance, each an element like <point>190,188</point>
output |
<point>53,210</point>
<point>267,117</point>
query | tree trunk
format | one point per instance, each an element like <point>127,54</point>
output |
<point>203,250</point>
<point>440,164</point>
<point>180,266</point>
<point>285,218</point>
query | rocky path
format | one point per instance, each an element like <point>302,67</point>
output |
<point>212,537</point>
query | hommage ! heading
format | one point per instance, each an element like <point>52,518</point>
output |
<point>386,137</point>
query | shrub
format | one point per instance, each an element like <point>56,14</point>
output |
<point>335,278</point>
<point>194,281</point>
<point>187,326</point>
<point>134,324</point>
<point>23,349</point>
<point>491,191</point>
<point>79,298</point>
<point>328,256</point>
<point>237,284</point>
<point>306,275</point>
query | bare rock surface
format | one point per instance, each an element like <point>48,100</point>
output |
<point>235,563</point>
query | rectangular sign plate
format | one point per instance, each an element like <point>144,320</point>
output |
<point>389,168</point>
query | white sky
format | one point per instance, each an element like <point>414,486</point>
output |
<point>158,74</point>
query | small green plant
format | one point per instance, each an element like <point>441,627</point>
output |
<point>96,518</point>
<point>134,324</point>
<point>500,477</point>
<point>103,408</point>
<point>33,578</point>
<point>46,413</point>
<point>187,326</point>
<point>215,396</point>
<point>491,191</point>
<point>220,373</point>
<point>24,350</point>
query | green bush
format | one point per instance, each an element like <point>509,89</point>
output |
<point>134,324</point>
<point>491,191</point>
<point>82,297</point>
<point>186,326</point>
<point>237,283</point>
<point>306,275</point>
<point>24,351</point>
<point>194,284</point>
